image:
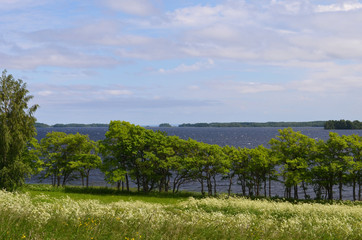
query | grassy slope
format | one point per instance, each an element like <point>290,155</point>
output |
<point>99,213</point>
<point>106,195</point>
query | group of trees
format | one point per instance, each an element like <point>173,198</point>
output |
<point>67,156</point>
<point>153,160</point>
<point>343,124</point>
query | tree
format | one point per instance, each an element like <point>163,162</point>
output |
<point>51,147</point>
<point>84,156</point>
<point>63,154</point>
<point>332,164</point>
<point>354,143</point>
<point>294,150</point>
<point>16,130</point>
<point>117,152</point>
<point>261,167</point>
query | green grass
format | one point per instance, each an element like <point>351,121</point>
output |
<point>106,194</point>
<point>43,212</point>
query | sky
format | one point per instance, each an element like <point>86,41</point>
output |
<point>183,61</point>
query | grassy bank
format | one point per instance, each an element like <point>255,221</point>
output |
<point>53,214</point>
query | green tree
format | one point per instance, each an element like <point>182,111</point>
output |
<point>294,151</point>
<point>64,154</point>
<point>84,155</point>
<point>51,147</point>
<point>182,163</point>
<point>16,130</point>
<point>118,153</point>
<point>354,143</point>
<point>261,168</point>
<point>332,164</point>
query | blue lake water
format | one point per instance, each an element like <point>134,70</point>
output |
<point>238,137</point>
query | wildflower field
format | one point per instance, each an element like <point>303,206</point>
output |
<point>41,216</point>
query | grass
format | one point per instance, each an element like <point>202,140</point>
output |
<point>42,212</point>
<point>106,195</point>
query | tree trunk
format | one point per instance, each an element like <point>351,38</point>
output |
<point>265,188</point>
<point>296,191</point>
<point>138,183</point>
<point>340,188</point>
<point>127,182</point>
<point>230,183</point>
<point>330,191</point>
<point>269,186</point>
<point>202,187</point>
<point>354,189</point>
<point>209,185</point>
<point>304,190</point>
<point>167,183</point>
<point>58,183</point>
<point>87,179</point>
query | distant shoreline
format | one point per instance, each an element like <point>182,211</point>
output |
<point>330,124</point>
<point>257,124</point>
<point>215,124</point>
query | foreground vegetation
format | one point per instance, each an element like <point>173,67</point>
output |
<point>45,216</point>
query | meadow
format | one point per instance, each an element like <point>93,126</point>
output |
<point>40,212</point>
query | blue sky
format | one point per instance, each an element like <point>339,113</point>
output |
<point>155,61</point>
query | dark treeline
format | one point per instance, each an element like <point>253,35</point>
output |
<point>256,124</point>
<point>343,124</point>
<point>155,161</point>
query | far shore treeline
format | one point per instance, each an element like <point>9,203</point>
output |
<point>330,124</point>
<point>256,124</point>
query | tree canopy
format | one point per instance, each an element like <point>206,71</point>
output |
<point>16,130</point>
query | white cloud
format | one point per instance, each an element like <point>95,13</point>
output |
<point>330,78</point>
<point>116,92</point>
<point>54,57</point>
<point>189,68</point>
<point>20,4</point>
<point>344,6</point>
<point>51,94</point>
<point>249,87</point>
<point>45,93</point>
<point>135,7</point>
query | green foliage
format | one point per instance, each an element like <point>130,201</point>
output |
<point>165,125</point>
<point>63,154</point>
<point>294,151</point>
<point>16,130</point>
<point>343,124</point>
<point>134,152</point>
<point>155,161</point>
<point>41,125</point>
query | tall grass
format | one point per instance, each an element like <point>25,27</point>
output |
<point>23,216</point>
